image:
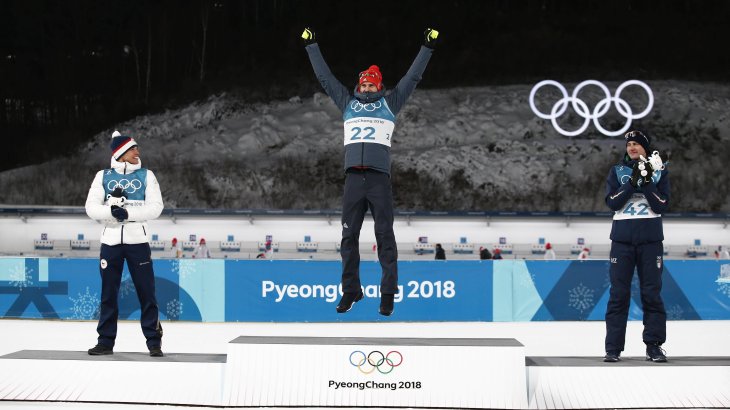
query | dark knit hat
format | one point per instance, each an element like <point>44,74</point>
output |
<point>640,138</point>
<point>372,75</point>
<point>121,144</point>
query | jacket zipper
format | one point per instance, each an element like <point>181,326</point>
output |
<point>122,239</point>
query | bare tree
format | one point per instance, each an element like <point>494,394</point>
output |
<point>204,21</point>
<point>149,61</point>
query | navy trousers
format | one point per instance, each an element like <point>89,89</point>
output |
<point>368,189</point>
<point>648,260</point>
<point>139,262</point>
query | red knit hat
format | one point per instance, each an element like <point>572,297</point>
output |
<point>372,75</point>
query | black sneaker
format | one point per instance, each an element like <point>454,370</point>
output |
<point>348,299</point>
<point>156,351</point>
<point>655,353</point>
<point>386,304</point>
<point>612,357</point>
<point>100,350</point>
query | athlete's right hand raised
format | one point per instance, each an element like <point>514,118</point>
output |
<point>308,36</point>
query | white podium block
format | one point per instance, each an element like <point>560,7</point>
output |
<point>375,372</point>
<point>588,383</point>
<point>178,378</point>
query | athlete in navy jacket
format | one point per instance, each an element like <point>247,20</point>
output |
<point>369,121</point>
<point>636,242</point>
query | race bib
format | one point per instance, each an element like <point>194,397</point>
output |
<point>369,130</point>
<point>637,207</point>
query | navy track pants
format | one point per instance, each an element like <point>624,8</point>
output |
<point>139,262</point>
<point>648,260</point>
<point>368,189</point>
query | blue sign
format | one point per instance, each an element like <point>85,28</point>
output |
<point>308,291</point>
<point>217,290</point>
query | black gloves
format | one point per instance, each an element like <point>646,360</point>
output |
<point>430,38</point>
<point>120,214</point>
<point>308,36</point>
<point>117,201</point>
<point>635,176</point>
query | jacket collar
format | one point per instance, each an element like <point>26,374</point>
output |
<point>369,97</point>
<point>125,167</point>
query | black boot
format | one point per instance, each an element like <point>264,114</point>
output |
<point>612,356</point>
<point>100,350</point>
<point>386,304</point>
<point>348,299</point>
<point>156,351</point>
<point>655,353</point>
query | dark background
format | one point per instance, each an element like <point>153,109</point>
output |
<point>70,69</point>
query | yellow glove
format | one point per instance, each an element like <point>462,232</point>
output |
<point>308,36</point>
<point>430,38</point>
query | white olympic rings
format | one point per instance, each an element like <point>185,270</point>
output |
<point>128,186</point>
<point>357,106</point>
<point>581,108</point>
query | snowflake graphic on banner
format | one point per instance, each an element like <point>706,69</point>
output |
<point>580,298</point>
<point>182,268</point>
<point>86,306</point>
<point>724,288</point>
<point>675,312</point>
<point>21,278</point>
<point>174,309</point>
<point>127,286</point>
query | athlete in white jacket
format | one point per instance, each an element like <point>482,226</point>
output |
<point>124,197</point>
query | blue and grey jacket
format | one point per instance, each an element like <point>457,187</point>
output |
<point>369,117</point>
<point>637,211</point>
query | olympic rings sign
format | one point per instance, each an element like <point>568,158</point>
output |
<point>376,360</point>
<point>126,185</point>
<point>581,108</point>
<point>357,106</point>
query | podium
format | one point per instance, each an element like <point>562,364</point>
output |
<point>375,372</point>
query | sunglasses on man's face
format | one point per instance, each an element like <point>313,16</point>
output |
<point>368,74</point>
<point>634,134</point>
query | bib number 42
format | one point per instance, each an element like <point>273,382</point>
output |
<point>640,209</point>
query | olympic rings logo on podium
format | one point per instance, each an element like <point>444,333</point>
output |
<point>581,108</point>
<point>376,360</point>
<point>126,185</point>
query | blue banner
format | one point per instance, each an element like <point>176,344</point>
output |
<point>308,291</point>
<point>217,290</point>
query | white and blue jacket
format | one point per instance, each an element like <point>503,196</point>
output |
<point>144,202</point>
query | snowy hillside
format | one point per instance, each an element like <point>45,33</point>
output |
<point>454,149</point>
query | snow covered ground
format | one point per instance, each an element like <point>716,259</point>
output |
<point>478,148</point>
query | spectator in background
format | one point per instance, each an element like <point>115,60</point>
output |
<point>584,254</point>
<point>269,249</point>
<point>201,251</point>
<point>722,253</point>
<point>497,254</point>
<point>176,251</point>
<point>440,254</point>
<point>484,253</point>
<point>549,252</point>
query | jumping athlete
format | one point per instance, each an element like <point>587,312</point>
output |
<point>636,243</point>
<point>124,197</point>
<point>369,117</point>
